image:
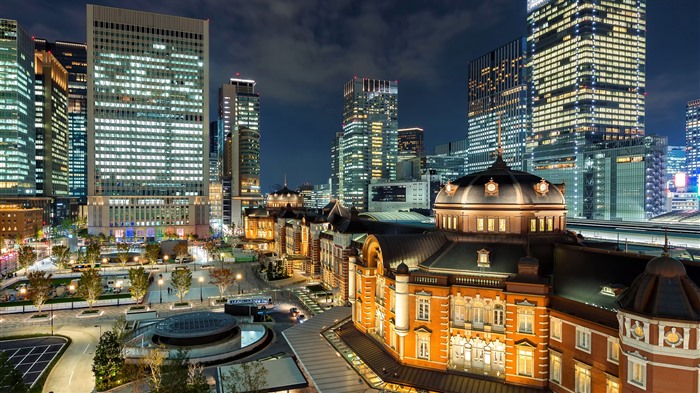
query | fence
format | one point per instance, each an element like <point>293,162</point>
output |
<point>66,305</point>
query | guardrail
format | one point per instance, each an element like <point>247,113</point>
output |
<point>65,306</point>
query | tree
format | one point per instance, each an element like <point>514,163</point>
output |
<point>152,253</point>
<point>108,364</point>
<point>11,381</point>
<point>62,255</point>
<point>123,253</point>
<point>181,281</point>
<point>26,257</point>
<point>181,250</point>
<point>179,375</point>
<point>90,287</point>
<point>92,253</point>
<point>170,234</point>
<point>40,286</point>
<point>210,248</point>
<point>154,361</point>
<point>248,377</point>
<point>222,278</point>
<point>139,283</point>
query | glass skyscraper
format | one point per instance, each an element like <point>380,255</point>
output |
<point>17,131</point>
<point>73,57</point>
<point>588,86</point>
<point>148,112</point>
<point>239,112</point>
<point>369,145</point>
<point>498,89</point>
<point>51,125</point>
<point>410,143</point>
<point>692,138</point>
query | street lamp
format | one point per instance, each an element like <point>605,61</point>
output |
<point>119,290</point>
<point>222,259</point>
<point>238,281</point>
<point>72,299</point>
<point>201,280</point>
<point>160,289</point>
<point>23,291</point>
<point>165,262</point>
<point>136,259</point>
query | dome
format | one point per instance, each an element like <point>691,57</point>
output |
<point>284,197</point>
<point>501,185</point>
<point>664,290</point>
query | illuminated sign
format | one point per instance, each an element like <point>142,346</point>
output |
<point>679,179</point>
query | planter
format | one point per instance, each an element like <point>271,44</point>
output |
<point>90,314</point>
<point>181,306</point>
<point>39,318</point>
<point>137,309</point>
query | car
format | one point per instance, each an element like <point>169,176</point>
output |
<point>294,311</point>
<point>301,318</point>
<point>181,268</point>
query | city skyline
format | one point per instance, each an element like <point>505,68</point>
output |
<point>426,48</point>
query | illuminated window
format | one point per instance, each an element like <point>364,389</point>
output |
<point>636,372</point>
<point>555,328</point>
<point>583,339</point>
<point>525,362</point>
<point>526,318</point>
<point>491,224</point>
<point>498,315</point>
<point>533,225</point>
<point>550,224</point>
<point>613,350</point>
<point>582,379</point>
<point>541,220</point>
<point>554,367</point>
<point>501,224</point>
<point>480,224</point>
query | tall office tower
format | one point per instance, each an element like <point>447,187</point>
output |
<point>675,161</point>
<point>214,151</point>
<point>628,176</point>
<point>410,142</point>
<point>458,148</point>
<point>73,57</point>
<point>588,85</point>
<point>148,116</point>
<point>17,132</point>
<point>692,138</point>
<point>239,110</point>
<point>335,166</point>
<point>497,89</point>
<point>369,146</point>
<point>51,124</point>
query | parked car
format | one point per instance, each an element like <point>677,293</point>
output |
<point>181,268</point>
<point>294,311</point>
<point>301,318</point>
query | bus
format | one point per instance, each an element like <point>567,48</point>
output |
<point>259,300</point>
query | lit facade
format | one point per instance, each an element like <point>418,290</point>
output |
<point>588,60</point>
<point>369,145</point>
<point>239,112</point>
<point>73,57</point>
<point>335,165</point>
<point>410,142</point>
<point>51,125</point>
<point>148,104</point>
<point>399,196</point>
<point>627,177</point>
<point>497,83</point>
<point>692,138</point>
<point>675,162</point>
<point>17,154</point>
<point>459,149</point>
<point>18,222</point>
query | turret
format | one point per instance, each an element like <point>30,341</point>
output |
<point>401,309</point>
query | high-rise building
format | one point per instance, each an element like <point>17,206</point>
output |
<point>73,57</point>
<point>214,151</point>
<point>369,145</point>
<point>17,149</point>
<point>239,112</point>
<point>675,162</point>
<point>497,85</point>
<point>148,116</point>
<point>692,138</point>
<point>455,149</point>
<point>335,165</point>
<point>588,61</point>
<point>628,178</point>
<point>410,142</point>
<point>51,125</point>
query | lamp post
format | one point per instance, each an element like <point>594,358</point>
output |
<point>99,326</point>
<point>136,259</point>
<point>165,262</point>
<point>72,299</point>
<point>222,259</point>
<point>119,290</point>
<point>201,280</point>
<point>160,289</point>
<point>23,291</point>
<point>238,281</point>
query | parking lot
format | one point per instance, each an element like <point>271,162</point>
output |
<point>31,356</point>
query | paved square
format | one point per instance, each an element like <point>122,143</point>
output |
<point>31,356</point>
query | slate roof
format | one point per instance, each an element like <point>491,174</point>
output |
<point>462,257</point>
<point>384,365</point>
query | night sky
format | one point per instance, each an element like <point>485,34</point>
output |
<point>302,52</point>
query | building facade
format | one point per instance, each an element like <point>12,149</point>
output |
<point>410,142</point>
<point>239,112</point>
<point>369,144</point>
<point>399,196</point>
<point>627,177</point>
<point>458,149</point>
<point>18,222</point>
<point>17,153</point>
<point>148,112</point>
<point>692,137</point>
<point>51,126</point>
<point>73,57</point>
<point>497,94</point>
<point>588,62</point>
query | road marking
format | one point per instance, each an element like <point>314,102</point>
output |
<point>86,348</point>
<point>71,378</point>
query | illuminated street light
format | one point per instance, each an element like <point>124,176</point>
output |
<point>222,259</point>
<point>238,281</point>
<point>201,280</point>
<point>71,289</point>
<point>160,290</point>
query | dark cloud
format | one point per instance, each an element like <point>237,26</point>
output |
<point>302,52</point>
